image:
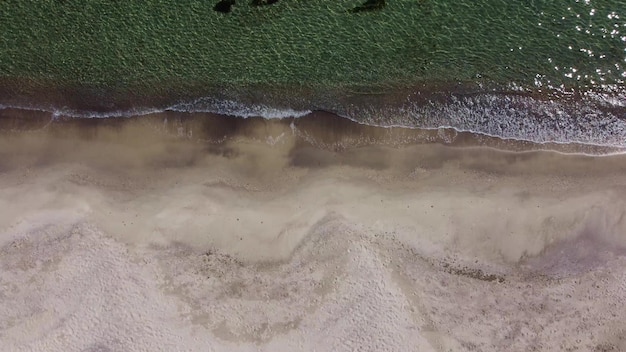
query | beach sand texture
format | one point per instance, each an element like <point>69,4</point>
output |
<point>129,237</point>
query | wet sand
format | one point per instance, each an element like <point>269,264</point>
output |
<point>175,232</point>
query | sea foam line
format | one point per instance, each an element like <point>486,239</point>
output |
<point>207,105</point>
<point>468,116</point>
<point>235,108</point>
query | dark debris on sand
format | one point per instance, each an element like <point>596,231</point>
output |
<point>472,273</point>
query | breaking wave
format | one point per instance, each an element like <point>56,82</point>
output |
<point>597,119</point>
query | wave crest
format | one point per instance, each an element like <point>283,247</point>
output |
<point>592,118</point>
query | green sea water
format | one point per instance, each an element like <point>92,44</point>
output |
<point>537,70</point>
<point>116,44</point>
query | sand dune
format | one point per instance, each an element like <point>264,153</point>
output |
<point>132,238</point>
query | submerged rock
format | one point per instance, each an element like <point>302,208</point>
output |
<point>370,5</point>
<point>263,2</point>
<point>224,6</point>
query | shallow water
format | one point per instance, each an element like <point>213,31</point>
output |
<point>331,131</point>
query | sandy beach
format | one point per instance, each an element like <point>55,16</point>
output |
<point>265,235</point>
<point>295,175</point>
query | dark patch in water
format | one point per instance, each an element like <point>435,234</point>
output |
<point>263,2</point>
<point>224,6</point>
<point>369,5</point>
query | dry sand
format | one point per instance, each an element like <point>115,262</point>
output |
<point>126,238</point>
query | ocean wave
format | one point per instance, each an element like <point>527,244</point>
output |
<point>64,112</point>
<point>236,108</point>
<point>597,119</point>
<point>205,104</point>
<point>516,117</point>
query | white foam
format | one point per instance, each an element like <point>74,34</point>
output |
<point>595,120</point>
<point>235,108</point>
<point>58,112</point>
<point>513,117</point>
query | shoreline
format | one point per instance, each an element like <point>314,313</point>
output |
<point>98,97</point>
<point>586,121</point>
<point>108,97</point>
<point>321,129</point>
